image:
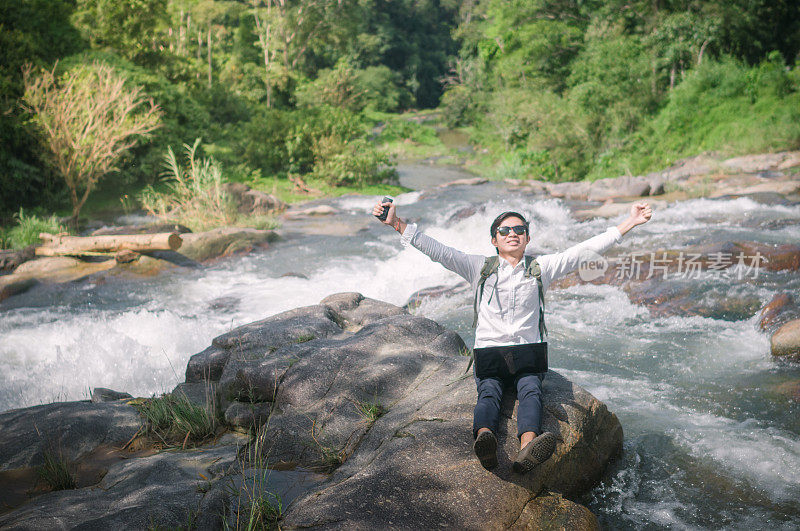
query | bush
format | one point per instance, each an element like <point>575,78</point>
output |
<point>345,86</point>
<point>195,196</point>
<point>28,227</point>
<point>353,163</point>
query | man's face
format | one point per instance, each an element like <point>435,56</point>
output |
<point>512,243</point>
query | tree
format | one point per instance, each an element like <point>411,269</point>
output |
<point>89,119</point>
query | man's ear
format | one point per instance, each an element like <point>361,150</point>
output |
<point>494,241</point>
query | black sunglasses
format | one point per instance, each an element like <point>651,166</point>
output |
<point>518,229</point>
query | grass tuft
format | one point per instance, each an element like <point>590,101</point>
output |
<point>174,419</point>
<point>56,472</point>
<point>370,410</point>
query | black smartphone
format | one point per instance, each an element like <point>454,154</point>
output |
<point>385,212</point>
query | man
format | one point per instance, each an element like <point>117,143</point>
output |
<point>510,347</point>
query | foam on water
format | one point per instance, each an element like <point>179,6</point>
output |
<point>141,351</point>
<point>645,406</point>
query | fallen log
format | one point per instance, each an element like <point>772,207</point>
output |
<point>58,245</point>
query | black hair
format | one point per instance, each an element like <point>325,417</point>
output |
<point>504,216</point>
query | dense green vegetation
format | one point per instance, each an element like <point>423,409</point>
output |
<point>274,87</point>
<point>555,89</point>
<point>562,90</point>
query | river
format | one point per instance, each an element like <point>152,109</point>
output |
<point>709,441</point>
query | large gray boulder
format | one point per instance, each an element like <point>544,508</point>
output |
<point>167,490</point>
<point>379,398</point>
<point>69,429</point>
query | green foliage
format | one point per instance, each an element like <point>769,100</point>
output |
<point>173,419</point>
<point>122,25</point>
<point>56,472</point>
<point>194,193</point>
<point>562,91</point>
<point>370,410</point>
<point>722,106</point>
<point>26,231</point>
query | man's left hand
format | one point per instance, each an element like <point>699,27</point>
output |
<point>640,213</point>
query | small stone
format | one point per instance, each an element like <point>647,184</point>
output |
<point>785,342</point>
<point>102,394</point>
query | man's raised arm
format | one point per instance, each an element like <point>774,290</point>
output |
<point>465,265</point>
<point>555,266</point>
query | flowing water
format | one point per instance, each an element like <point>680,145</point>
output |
<point>710,442</point>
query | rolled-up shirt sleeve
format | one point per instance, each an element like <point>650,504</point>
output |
<point>462,264</point>
<point>556,265</point>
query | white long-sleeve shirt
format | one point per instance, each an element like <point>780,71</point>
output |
<point>509,310</point>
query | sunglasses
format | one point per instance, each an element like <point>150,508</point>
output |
<point>518,229</point>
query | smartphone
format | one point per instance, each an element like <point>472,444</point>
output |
<point>385,212</point>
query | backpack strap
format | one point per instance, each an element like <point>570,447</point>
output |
<point>532,269</point>
<point>489,267</point>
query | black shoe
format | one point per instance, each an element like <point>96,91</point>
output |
<point>535,453</point>
<point>486,449</point>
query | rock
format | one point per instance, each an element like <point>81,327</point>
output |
<point>319,210</point>
<point>224,303</point>
<point>553,511</point>
<point>781,309</point>
<point>378,397</point>
<point>466,212</point>
<point>101,394</point>
<point>774,187</point>
<point>248,415</point>
<point>570,190</point>
<point>468,181</point>
<point>224,241</point>
<point>56,269</point>
<point>605,189</point>
<point>754,163</point>
<point>251,201</point>
<point>10,259</point>
<point>785,342</point>
<point>166,490</point>
<point>792,160</point>
<point>60,269</point>
<point>72,429</point>
<point>612,210</point>
<point>689,167</point>
<point>155,228</point>
<point>203,394</point>
<point>435,292</point>
<point>11,287</point>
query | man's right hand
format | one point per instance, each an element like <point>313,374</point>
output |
<point>391,217</point>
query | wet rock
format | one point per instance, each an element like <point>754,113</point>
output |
<point>71,429</point>
<point>780,310</point>
<point>10,259</point>
<point>665,298</point>
<point>570,190</point>
<point>466,212</point>
<point>315,211</point>
<point>155,228</point>
<point>224,241</point>
<point>143,266</point>
<point>11,287</point>
<point>435,292</point>
<point>224,303</point>
<point>764,198</point>
<point>468,181</point>
<point>56,269</point>
<point>102,394</point>
<point>785,342</point>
